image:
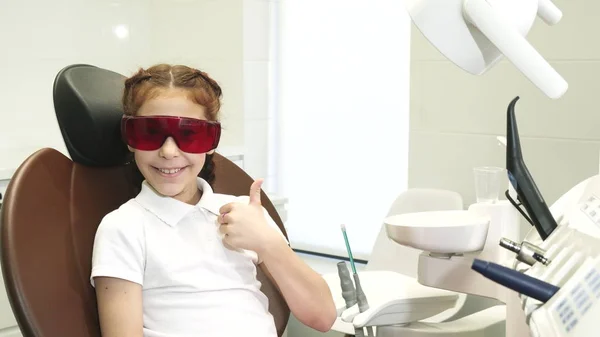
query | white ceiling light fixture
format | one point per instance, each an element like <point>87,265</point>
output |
<point>121,31</point>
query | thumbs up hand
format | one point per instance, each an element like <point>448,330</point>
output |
<point>244,226</point>
<point>255,192</point>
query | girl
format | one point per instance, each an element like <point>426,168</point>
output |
<point>178,259</point>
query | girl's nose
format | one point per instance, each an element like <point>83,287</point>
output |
<point>169,149</point>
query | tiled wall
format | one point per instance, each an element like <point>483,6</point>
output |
<point>258,59</point>
<point>456,116</point>
<point>206,34</point>
<point>233,47</point>
<point>3,185</point>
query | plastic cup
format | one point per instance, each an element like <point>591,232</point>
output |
<point>487,183</point>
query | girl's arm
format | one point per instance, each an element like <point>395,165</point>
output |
<point>119,307</point>
<point>306,292</point>
<point>245,225</point>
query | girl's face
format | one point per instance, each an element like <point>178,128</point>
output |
<point>170,171</point>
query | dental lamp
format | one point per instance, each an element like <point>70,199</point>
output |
<point>476,34</point>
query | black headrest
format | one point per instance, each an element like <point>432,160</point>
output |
<point>87,102</point>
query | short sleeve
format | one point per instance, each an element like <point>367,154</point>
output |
<point>119,248</point>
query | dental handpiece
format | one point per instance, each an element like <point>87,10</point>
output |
<point>526,252</point>
<point>348,291</point>
<point>512,279</point>
<point>522,181</point>
<point>361,298</point>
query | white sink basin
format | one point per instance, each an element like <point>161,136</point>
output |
<point>445,232</point>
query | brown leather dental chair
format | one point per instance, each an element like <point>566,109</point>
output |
<point>54,204</point>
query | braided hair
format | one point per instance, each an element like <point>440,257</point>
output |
<point>149,83</point>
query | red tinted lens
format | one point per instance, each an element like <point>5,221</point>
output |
<point>191,135</point>
<point>144,134</point>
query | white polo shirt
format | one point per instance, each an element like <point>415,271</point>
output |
<point>192,284</point>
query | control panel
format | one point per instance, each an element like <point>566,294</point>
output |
<point>591,209</point>
<point>575,268</point>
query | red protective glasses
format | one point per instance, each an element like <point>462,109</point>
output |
<point>148,133</point>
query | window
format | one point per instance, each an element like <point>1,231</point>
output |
<point>340,92</point>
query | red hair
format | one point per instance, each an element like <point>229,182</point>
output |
<point>152,82</point>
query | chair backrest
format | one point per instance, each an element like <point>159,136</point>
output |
<point>53,205</point>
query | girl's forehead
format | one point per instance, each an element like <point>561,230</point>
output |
<point>172,105</point>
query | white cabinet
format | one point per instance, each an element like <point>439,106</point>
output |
<point>233,153</point>
<point>8,323</point>
<point>279,203</point>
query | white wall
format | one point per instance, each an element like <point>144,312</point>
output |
<point>39,42</point>
<point>257,62</point>
<point>456,116</point>
<point>229,39</point>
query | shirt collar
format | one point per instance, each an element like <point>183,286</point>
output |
<point>170,210</point>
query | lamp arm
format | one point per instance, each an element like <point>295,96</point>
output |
<point>515,47</point>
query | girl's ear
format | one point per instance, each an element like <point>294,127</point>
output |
<point>210,152</point>
<point>130,148</point>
